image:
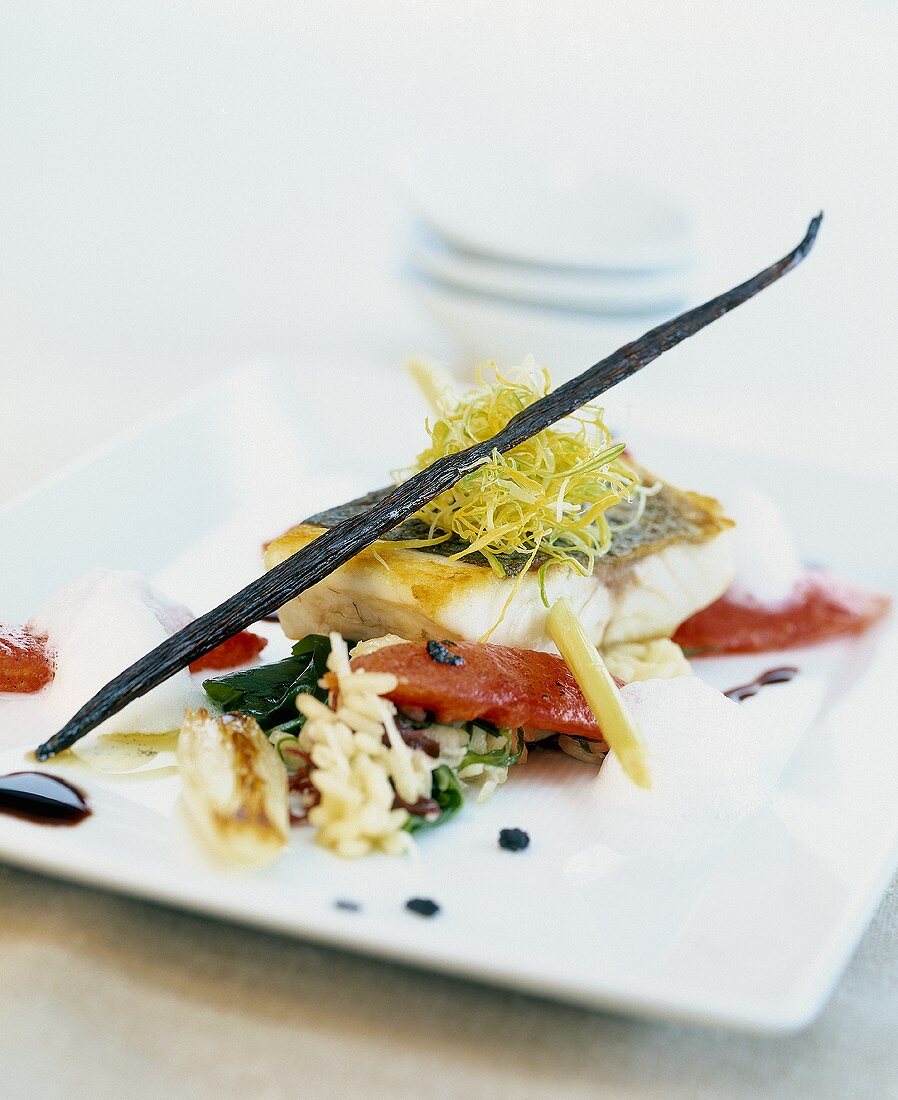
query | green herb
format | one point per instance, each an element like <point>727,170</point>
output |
<point>504,756</point>
<point>287,745</point>
<point>446,792</point>
<point>268,693</point>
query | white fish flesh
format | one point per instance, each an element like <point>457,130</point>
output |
<point>676,560</point>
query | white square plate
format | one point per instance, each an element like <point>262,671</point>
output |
<point>751,934</point>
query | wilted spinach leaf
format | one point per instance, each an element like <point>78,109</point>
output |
<point>268,693</point>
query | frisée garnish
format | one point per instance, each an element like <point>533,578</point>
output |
<point>559,494</point>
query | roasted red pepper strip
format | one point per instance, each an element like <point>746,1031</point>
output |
<point>820,607</point>
<point>25,663</point>
<point>508,687</point>
<point>238,650</point>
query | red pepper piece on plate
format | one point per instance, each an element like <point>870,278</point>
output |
<point>25,662</point>
<point>463,681</point>
<point>238,650</point>
<point>820,607</point>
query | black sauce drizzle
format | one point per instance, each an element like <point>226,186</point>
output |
<point>781,675</point>
<point>41,798</point>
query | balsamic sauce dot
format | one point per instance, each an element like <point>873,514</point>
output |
<point>42,798</point>
<point>782,674</point>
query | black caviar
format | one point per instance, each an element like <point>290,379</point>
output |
<point>514,840</point>
<point>440,652</point>
<point>424,907</point>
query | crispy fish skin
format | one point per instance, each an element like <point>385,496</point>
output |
<point>674,562</point>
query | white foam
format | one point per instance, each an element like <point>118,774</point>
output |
<point>713,763</point>
<point>97,627</point>
<point>767,565</point>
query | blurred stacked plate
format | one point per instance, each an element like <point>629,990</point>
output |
<point>597,290</point>
<point>553,262</point>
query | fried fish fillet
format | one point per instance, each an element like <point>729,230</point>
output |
<point>657,572</point>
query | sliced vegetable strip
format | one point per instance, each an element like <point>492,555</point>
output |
<point>599,688</point>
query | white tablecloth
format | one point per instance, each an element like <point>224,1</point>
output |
<point>107,997</point>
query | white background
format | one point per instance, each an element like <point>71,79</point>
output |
<point>185,187</point>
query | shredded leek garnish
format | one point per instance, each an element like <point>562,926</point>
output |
<point>432,380</point>
<point>551,495</point>
<point>599,690</point>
